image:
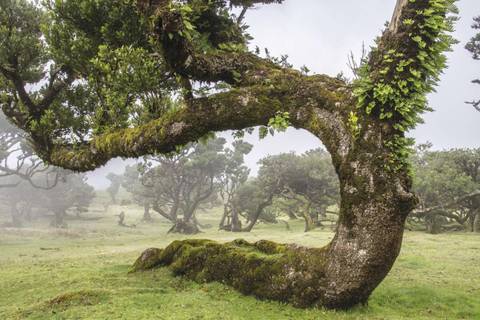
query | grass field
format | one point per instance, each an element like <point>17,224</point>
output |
<point>82,273</point>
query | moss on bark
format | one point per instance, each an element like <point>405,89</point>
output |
<point>265,269</point>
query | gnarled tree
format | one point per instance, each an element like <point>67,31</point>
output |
<point>234,175</point>
<point>141,194</point>
<point>183,182</point>
<point>105,70</point>
<point>308,180</point>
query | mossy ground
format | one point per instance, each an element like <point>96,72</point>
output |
<point>82,273</point>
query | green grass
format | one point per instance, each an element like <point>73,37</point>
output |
<point>82,273</point>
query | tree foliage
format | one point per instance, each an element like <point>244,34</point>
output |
<point>447,183</point>
<point>474,47</point>
<point>309,180</point>
<point>231,180</point>
<point>177,185</point>
<point>114,187</point>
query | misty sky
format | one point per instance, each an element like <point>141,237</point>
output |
<point>321,33</point>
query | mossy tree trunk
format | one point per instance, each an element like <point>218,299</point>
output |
<point>373,209</point>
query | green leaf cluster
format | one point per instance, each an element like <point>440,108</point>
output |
<point>403,69</point>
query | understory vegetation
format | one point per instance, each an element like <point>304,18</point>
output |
<point>82,273</point>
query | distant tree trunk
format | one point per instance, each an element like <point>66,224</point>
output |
<point>58,219</point>
<point>186,225</point>
<point>16,217</point>
<point>476,223</point>
<point>28,212</point>
<point>433,224</point>
<point>257,213</point>
<point>309,221</point>
<point>309,224</point>
<point>146,212</point>
<point>236,223</point>
<point>221,225</point>
<point>183,226</point>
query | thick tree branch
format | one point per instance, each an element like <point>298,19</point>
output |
<point>316,103</point>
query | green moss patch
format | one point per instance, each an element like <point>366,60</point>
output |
<point>265,269</point>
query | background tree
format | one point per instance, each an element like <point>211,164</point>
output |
<point>234,175</point>
<point>72,193</point>
<point>474,47</point>
<point>182,182</point>
<point>142,195</point>
<point>114,187</point>
<point>103,73</point>
<point>18,161</point>
<point>308,181</point>
<point>15,200</point>
<point>447,184</point>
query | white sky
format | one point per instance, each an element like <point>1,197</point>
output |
<point>321,33</point>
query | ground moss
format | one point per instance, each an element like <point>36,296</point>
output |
<point>147,260</point>
<point>265,269</point>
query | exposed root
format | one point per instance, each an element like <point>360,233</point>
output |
<point>184,227</point>
<point>265,269</point>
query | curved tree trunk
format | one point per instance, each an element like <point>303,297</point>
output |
<point>309,221</point>
<point>257,213</point>
<point>221,225</point>
<point>373,210</point>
